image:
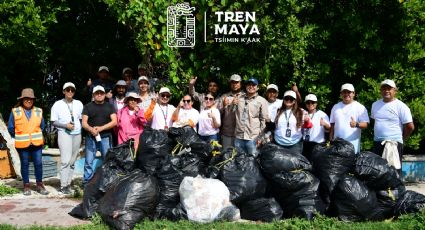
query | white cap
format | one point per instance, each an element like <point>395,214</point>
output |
<point>389,82</point>
<point>141,66</point>
<point>143,78</point>
<point>68,84</point>
<point>164,90</point>
<point>126,69</point>
<point>121,83</point>
<point>103,68</point>
<point>290,93</point>
<point>347,86</point>
<point>310,97</point>
<point>272,86</point>
<point>98,88</point>
<point>235,77</point>
<point>133,95</point>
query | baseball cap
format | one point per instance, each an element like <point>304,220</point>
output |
<point>272,86</point>
<point>121,83</point>
<point>310,97</point>
<point>143,78</point>
<point>68,84</point>
<point>347,86</point>
<point>103,68</point>
<point>389,82</point>
<point>290,93</point>
<point>164,90</point>
<point>235,77</point>
<point>98,88</point>
<point>126,69</point>
<point>252,80</point>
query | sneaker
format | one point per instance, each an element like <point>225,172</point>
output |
<point>66,190</point>
<point>27,189</point>
<point>41,189</point>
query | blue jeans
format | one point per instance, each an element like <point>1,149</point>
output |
<point>35,153</point>
<point>249,146</point>
<point>209,138</point>
<point>91,147</point>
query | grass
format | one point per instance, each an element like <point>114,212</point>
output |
<point>7,190</point>
<point>411,221</point>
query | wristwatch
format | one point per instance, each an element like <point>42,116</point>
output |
<point>357,125</point>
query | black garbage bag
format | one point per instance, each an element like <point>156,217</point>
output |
<point>375,172</point>
<point>184,135</point>
<point>123,155</point>
<point>387,199</point>
<point>170,213</point>
<point>130,200</point>
<point>297,193</point>
<point>111,172</point>
<point>409,202</point>
<point>263,209</point>
<point>276,159</point>
<point>91,196</point>
<point>240,172</point>
<point>154,147</point>
<point>330,163</point>
<point>352,200</point>
<point>188,163</point>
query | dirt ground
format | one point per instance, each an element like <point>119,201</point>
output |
<point>52,210</point>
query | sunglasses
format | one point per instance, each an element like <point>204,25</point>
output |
<point>165,95</point>
<point>209,98</point>
<point>289,99</point>
<point>187,101</point>
<point>310,102</point>
<point>70,90</point>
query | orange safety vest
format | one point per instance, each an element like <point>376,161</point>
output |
<point>28,132</point>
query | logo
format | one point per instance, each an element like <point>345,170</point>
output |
<point>181,25</point>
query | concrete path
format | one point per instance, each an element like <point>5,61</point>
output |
<point>52,210</point>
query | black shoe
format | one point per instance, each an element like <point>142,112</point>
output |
<point>66,190</point>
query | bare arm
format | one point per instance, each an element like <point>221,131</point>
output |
<point>407,130</point>
<point>87,127</point>
<point>108,125</point>
<point>331,132</point>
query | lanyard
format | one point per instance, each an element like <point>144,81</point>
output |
<point>311,117</point>
<point>164,114</point>
<point>287,118</point>
<point>70,109</point>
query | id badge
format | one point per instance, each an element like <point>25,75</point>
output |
<point>307,137</point>
<point>288,133</point>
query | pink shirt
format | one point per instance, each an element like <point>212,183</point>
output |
<point>130,125</point>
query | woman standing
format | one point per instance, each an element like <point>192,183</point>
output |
<point>321,123</point>
<point>25,125</point>
<point>209,120</point>
<point>290,120</point>
<point>66,117</point>
<point>131,120</point>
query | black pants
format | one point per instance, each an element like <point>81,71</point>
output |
<point>379,149</point>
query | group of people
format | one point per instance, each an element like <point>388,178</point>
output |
<point>239,118</point>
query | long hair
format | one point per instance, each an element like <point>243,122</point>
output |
<point>296,110</point>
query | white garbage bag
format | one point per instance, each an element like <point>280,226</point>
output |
<point>206,199</point>
<point>390,153</point>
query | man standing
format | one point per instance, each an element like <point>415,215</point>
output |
<point>103,79</point>
<point>272,93</point>
<point>227,105</point>
<point>120,90</point>
<point>99,119</point>
<point>251,115</point>
<point>66,117</point>
<point>348,118</point>
<point>127,76</point>
<point>393,121</point>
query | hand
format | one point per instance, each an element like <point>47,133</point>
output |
<point>352,123</point>
<point>154,96</point>
<point>235,100</point>
<point>322,122</point>
<point>294,87</point>
<point>89,82</point>
<point>70,126</point>
<point>181,104</point>
<point>94,131</point>
<point>210,114</point>
<point>136,108</point>
<point>226,101</point>
<point>193,81</point>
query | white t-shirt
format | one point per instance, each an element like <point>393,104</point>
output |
<point>281,127</point>
<point>317,133</point>
<point>341,115</point>
<point>161,116</point>
<point>185,115</point>
<point>61,112</point>
<point>119,102</point>
<point>389,119</point>
<point>273,107</point>
<point>206,124</point>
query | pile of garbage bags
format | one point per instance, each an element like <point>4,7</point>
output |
<point>175,175</point>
